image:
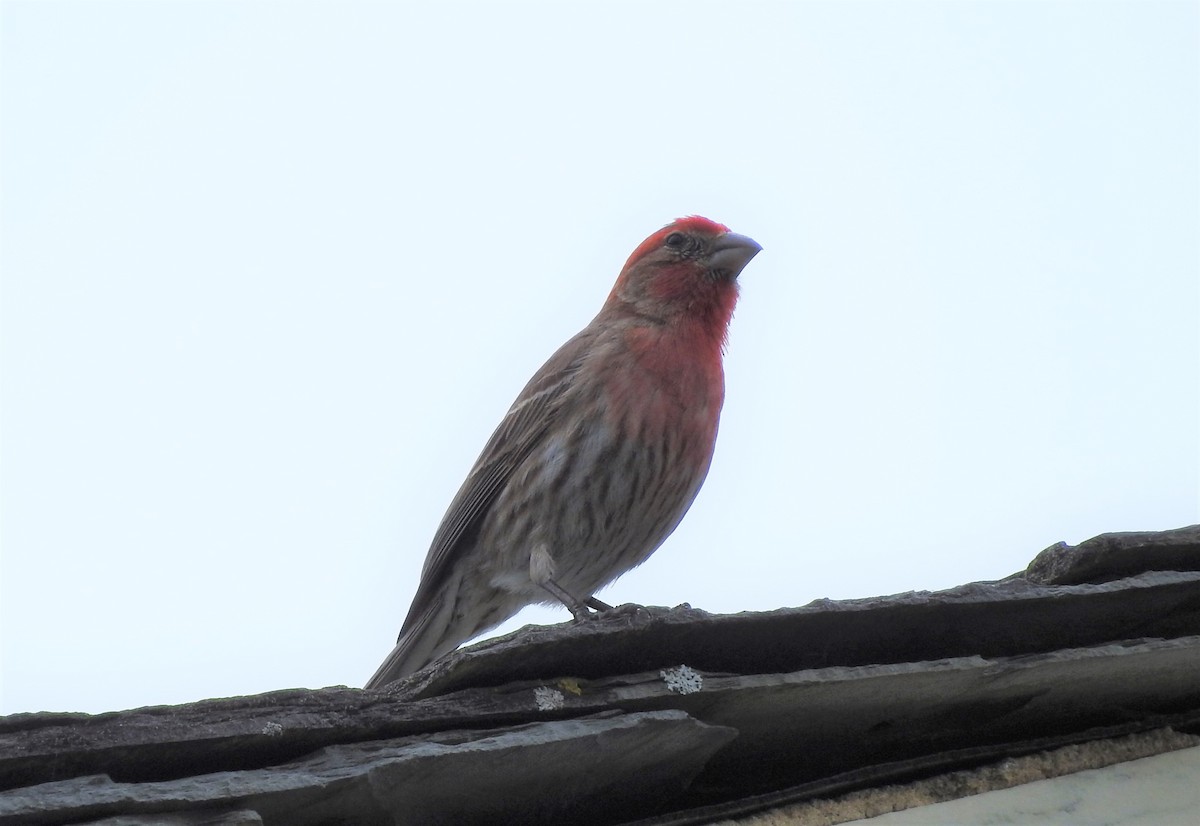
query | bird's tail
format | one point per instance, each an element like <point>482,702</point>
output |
<point>422,640</point>
<point>405,659</point>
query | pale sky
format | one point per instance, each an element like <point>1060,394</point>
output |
<point>272,273</point>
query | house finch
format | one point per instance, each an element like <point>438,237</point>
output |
<point>599,457</point>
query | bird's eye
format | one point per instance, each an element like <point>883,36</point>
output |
<point>675,240</point>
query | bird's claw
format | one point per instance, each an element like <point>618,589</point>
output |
<point>592,609</point>
<point>627,609</point>
<point>581,612</point>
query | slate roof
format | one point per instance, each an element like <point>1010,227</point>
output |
<point>657,715</point>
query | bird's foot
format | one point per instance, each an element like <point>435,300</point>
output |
<point>592,608</point>
<point>581,611</point>
<point>627,609</point>
<point>602,610</point>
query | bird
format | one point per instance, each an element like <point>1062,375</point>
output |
<point>599,457</point>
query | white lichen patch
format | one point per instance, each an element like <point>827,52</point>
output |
<point>272,729</point>
<point>683,680</point>
<point>547,698</point>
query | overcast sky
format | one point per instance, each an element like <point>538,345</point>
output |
<point>272,273</point>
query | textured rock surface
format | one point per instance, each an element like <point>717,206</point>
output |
<point>241,817</point>
<point>913,799</point>
<point>994,619</point>
<point>1158,790</point>
<point>669,714</point>
<point>555,770</point>
<point>1115,555</point>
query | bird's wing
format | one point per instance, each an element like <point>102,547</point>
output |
<point>523,428</point>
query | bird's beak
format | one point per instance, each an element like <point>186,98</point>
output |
<point>732,252</point>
